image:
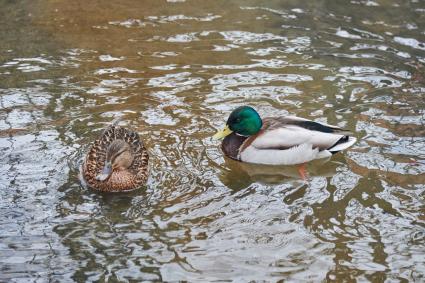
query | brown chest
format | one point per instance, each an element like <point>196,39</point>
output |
<point>231,145</point>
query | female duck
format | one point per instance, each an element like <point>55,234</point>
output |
<point>286,140</point>
<point>117,161</point>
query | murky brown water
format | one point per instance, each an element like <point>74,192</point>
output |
<point>174,70</point>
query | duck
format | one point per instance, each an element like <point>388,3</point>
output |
<point>116,162</point>
<point>284,140</point>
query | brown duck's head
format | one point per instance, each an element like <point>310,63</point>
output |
<point>119,156</point>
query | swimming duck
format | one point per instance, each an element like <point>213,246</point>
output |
<point>286,140</point>
<point>117,161</point>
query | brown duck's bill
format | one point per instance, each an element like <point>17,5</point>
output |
<point>222,133</point>
<point>106,172</point>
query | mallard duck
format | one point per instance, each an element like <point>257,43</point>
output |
<point>286,140</point>
<point>117,161</point>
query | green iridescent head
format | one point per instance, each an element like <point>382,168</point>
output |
<point>244,121</point>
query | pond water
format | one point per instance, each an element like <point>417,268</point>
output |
<point>173,70</point>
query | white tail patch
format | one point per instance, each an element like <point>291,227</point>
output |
<point>344,145</point>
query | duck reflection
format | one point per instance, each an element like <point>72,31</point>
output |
<point>239,175</point>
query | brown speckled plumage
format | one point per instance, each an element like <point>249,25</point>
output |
<point>124,180</point>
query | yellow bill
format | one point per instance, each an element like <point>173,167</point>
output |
<point>222,133</point>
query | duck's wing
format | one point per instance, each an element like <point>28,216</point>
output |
<point>116,132</point>
<point>96,155</point>
<point>141,155</point>
<point>290,131</point>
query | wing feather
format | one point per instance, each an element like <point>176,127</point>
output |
<point>289,136</point>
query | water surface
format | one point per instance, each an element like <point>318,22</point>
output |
<point>173,70</point>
